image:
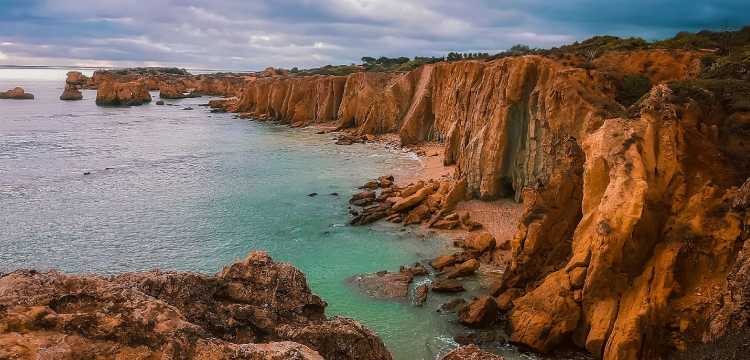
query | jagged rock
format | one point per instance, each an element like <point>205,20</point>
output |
<point>71,93</point>
<point>417,215</point>
<point>443,261</point>
<point>471,352</point>
<point>461,270</point>
<point>420,294</point>
<point>142,315</point>
<point>479,313</point>
<point>16,94</point>
<point>412,200</point>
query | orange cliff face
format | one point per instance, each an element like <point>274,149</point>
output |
<point>628,237</point>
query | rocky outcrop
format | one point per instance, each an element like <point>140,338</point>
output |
<point>655,243</point>
<point>115,93</point>
<point>73,84</point>
<point>254,309</point>
<point>17,93</point>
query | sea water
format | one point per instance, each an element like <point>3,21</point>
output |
<point>88,189</point>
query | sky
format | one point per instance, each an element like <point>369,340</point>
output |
<point>254,34</point>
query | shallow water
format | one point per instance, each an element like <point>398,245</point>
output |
<point>192,191</point>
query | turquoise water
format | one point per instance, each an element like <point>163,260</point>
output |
<point>193,191</point>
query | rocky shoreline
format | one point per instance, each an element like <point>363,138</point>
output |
<point>633,235</point>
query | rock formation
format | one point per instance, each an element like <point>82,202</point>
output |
<point>73,84</point>
<point>115,93</point>
<point>254,309</point>
<point>633,239</point>
<point>16,94</point>
<point>628,237</point>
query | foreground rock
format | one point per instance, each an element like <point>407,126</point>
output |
<point>112,93</point>
<point>254,309</point>
<point>17,93</point>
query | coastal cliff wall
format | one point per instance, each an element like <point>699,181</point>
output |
<point>627,240</point>
<point>635,215</point>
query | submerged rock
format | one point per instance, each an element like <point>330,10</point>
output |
<point>17,93</point>
<point>471,352</point>
<point>253,309</point>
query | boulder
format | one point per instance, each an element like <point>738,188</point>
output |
<point>479,313</point>
<point>461,270</point>
<point>17,93</point>
<point>480,242</point>
<point>413,200</point>
<point>417,215</point>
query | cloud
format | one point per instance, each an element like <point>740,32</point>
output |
<point>249,35</point>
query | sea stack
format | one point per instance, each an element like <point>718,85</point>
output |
<point>73,84</point>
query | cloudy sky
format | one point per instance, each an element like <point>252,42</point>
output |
<point>253,34</point>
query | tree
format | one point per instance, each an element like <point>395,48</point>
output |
<point>519,49</point>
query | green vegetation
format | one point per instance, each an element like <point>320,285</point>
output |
<point>733,94</point>
<point>631,89</point>
<point>730,57</point>
<point>151,71</point>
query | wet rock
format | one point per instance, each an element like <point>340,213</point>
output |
<point>160,102</point>
<point>362,195</point>
<point>471,352</point>
<point>445,224</point>
<point>455,305</point>
<point>372,185</point>
<point>479,313</point>
<point>17,93</point>
<point>461,270</point>
<point>187,108</point>
<point>447,286</point>
<point>312,194</point>
<point>420,294</point>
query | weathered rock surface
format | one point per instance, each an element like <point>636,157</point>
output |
<point>17,93</point>
<point>114,93</point>
<point>254,309</point>
<point>471,352</point>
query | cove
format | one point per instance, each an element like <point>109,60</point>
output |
<point>108,190</point>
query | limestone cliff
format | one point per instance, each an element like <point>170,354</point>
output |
<point>628,237</point>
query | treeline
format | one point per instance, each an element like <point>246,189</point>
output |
<point>732,53</point>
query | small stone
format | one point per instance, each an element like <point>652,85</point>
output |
<point>312,194</point>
